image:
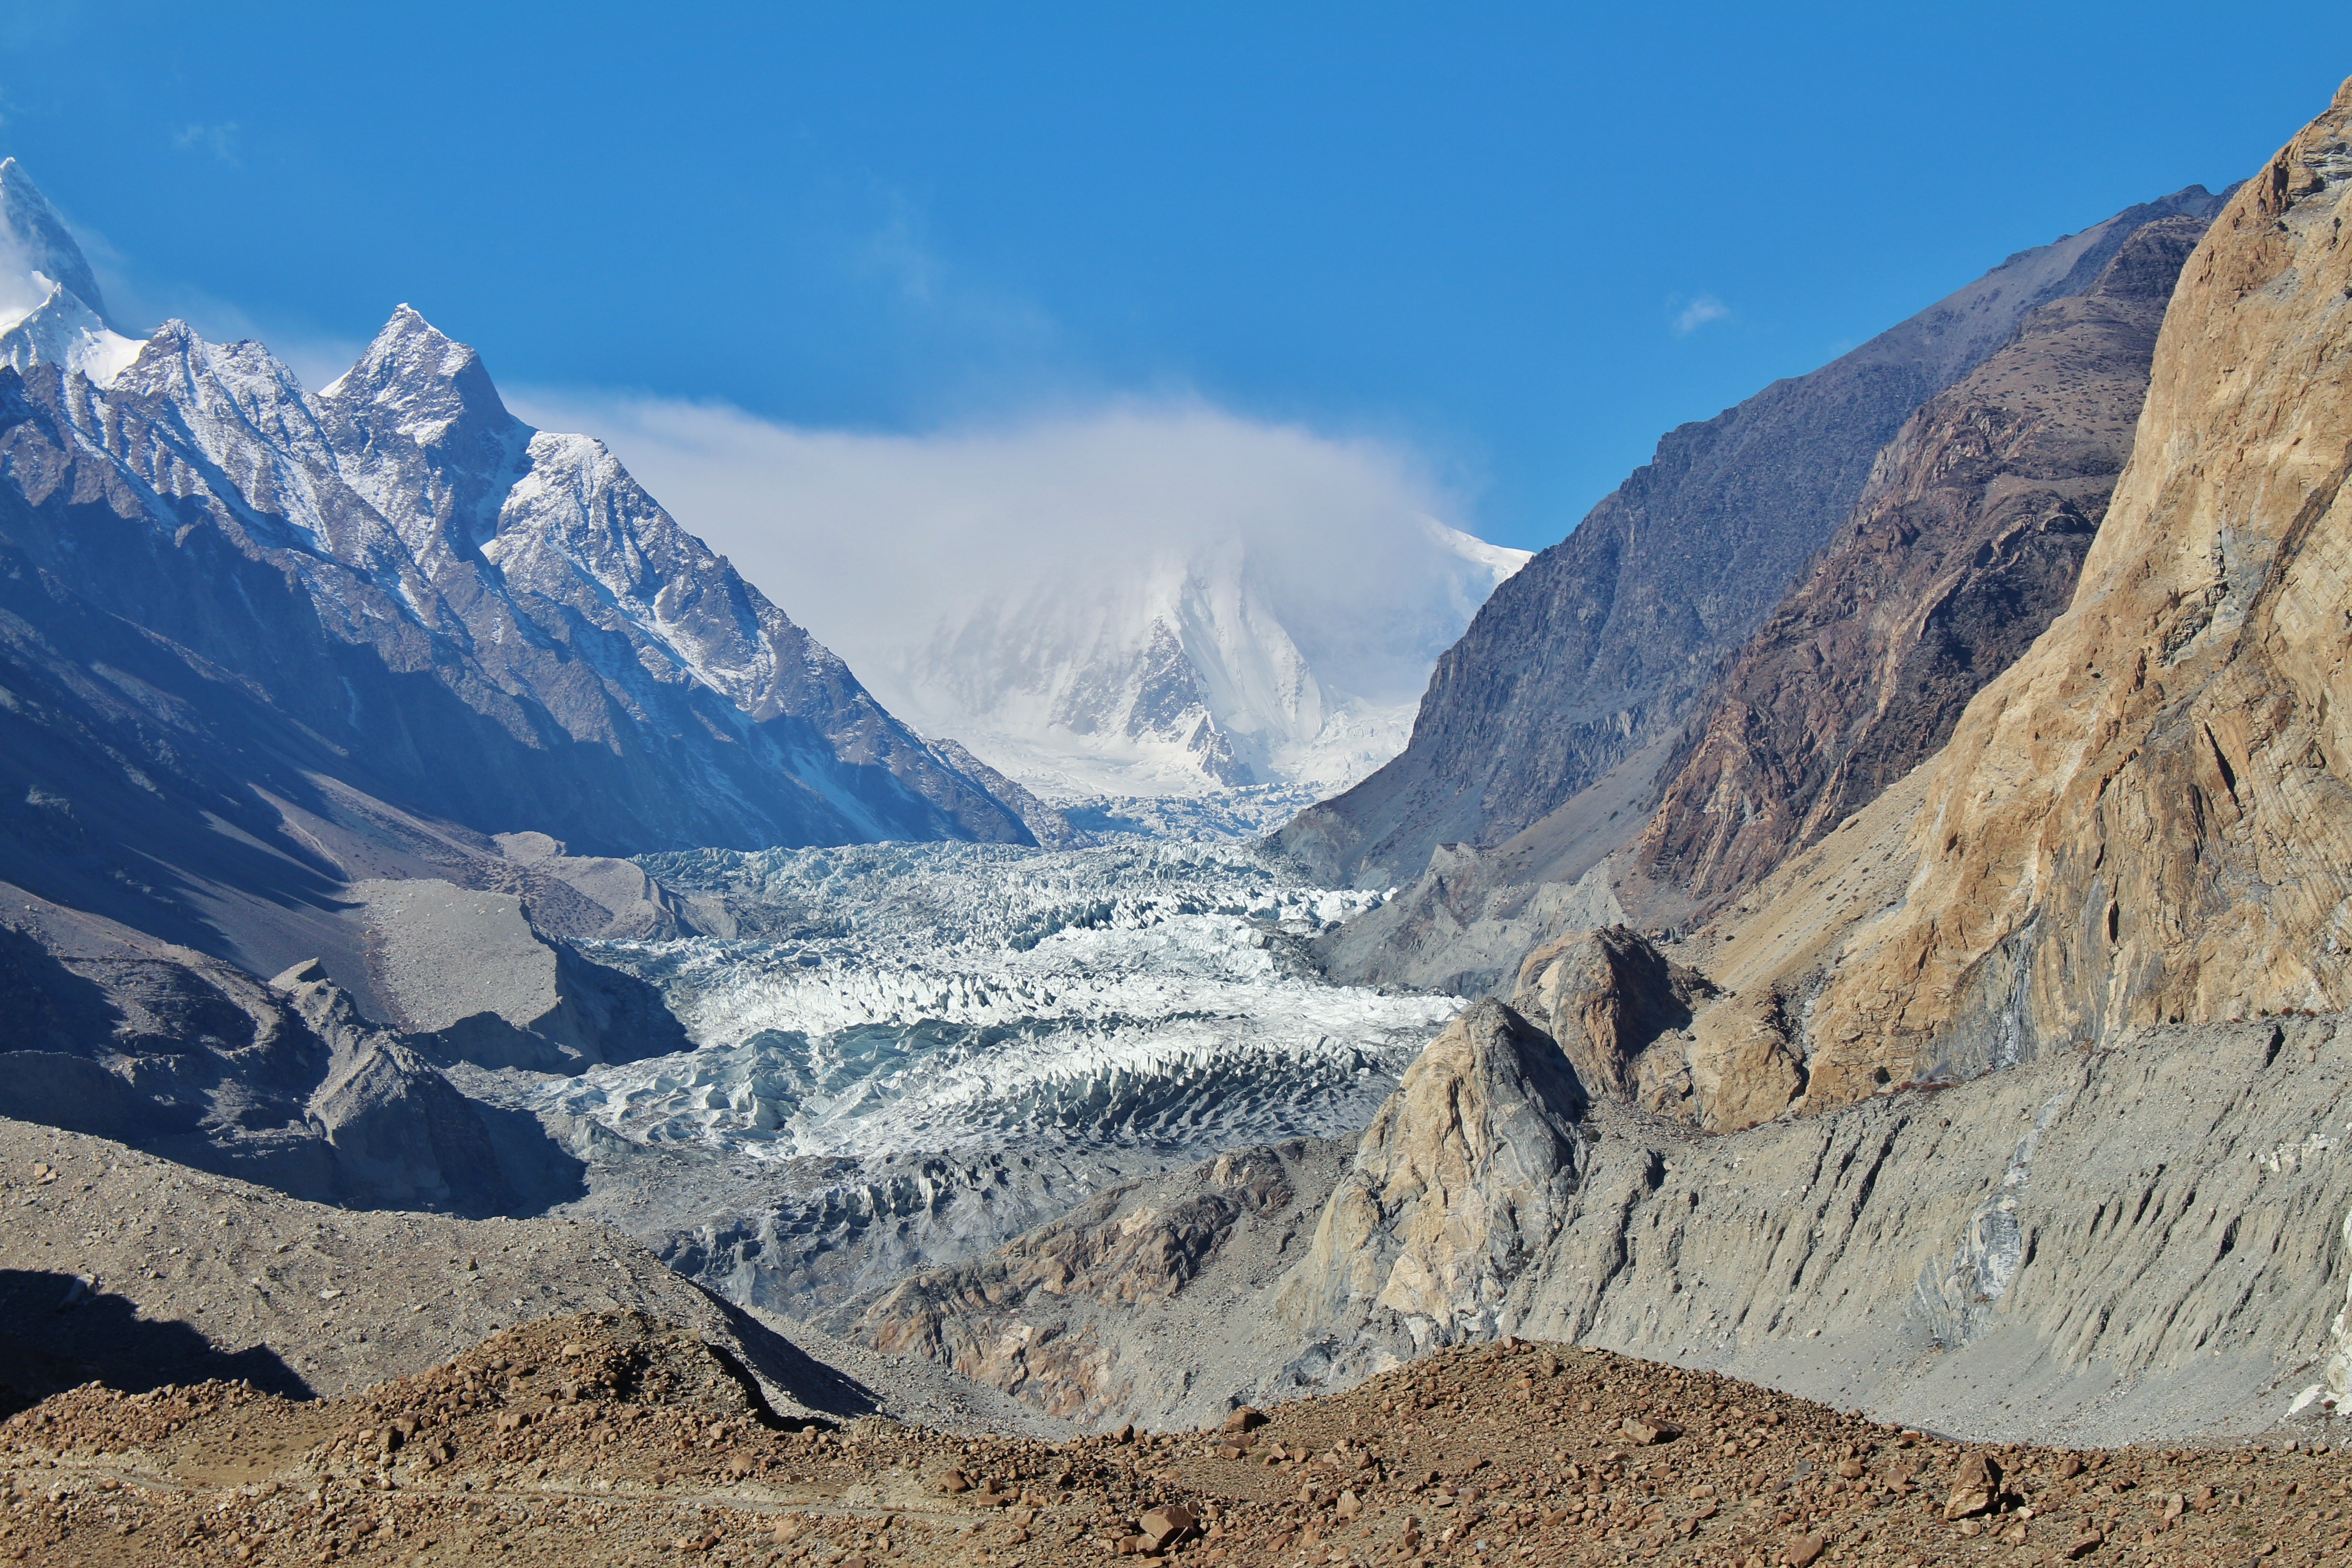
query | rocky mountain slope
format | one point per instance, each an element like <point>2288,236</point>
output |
<point>1965,545</point>
<point>2144,818</point>
<point>1586,662</point>
<point>417,593</point>
<point>2135,1245</point>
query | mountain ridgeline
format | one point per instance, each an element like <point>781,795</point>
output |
<point>1587,660</point>
<point>232,602</point>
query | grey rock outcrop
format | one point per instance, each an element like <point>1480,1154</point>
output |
<point>401,1134</point>
<point>1607,996</point>
<point>1587,661</point>
<point>1464,1177</point>
<point>344,1299</point>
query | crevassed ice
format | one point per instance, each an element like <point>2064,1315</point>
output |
<point>910,998</point>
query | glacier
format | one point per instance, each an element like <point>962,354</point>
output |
<point>904,1055</point>
<point>891,998</point>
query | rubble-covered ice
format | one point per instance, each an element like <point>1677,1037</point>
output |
<point>899,998</point>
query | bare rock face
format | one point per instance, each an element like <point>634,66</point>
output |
<point>1609,997</point>
<point>1467,1172</point>
<point>2148,818</point>
<point>1964,547</point>
<point>1595,650</point>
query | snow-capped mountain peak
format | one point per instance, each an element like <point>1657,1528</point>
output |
<point>511,618</point>
<point>33,240</point>
<point>50,309</point>
<point>1185,668</point>
<point>425,380</point>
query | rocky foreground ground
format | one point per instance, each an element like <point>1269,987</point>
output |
<point>613,1438</point>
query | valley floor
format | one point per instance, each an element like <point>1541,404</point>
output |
<point>610,1438</point>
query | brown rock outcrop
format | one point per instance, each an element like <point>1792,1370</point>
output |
<point>1965,546</point>
<point>2148,818</point>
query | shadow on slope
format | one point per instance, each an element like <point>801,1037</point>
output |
<point>64,1327</point>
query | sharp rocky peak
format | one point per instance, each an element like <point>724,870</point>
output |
<point>423,377</point>
<point>35,240</point>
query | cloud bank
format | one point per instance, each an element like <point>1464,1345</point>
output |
<point>871,541</point>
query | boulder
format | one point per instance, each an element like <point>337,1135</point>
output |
<point>1164,1525</point>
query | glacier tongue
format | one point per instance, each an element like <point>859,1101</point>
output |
<point>908,1053</point>
<point>903,998</point>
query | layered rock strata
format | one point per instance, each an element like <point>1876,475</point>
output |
<point>2147,817</point>
<point>1591,654</point>
<point>1963,549</point>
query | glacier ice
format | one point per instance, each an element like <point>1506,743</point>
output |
<point>898,998</point>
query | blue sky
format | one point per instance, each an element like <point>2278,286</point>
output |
<point>1519,241</point>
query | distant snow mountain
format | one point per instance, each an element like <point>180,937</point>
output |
<point>1182,671</point>
<point>1148,599</point>
<point>50,309</point>
<point>396,582</point>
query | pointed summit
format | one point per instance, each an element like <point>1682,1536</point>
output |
<point>34,238</point>
<point>423,377</point>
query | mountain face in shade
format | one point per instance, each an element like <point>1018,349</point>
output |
<point>1965,547</point>
<point>1587,662</point>
<point>222,590</point>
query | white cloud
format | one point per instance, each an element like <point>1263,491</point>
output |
<point>220,141</point>
<point>1698,313</point>
<point>870,540</point>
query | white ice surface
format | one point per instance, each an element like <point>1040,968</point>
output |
<point>920,997</point>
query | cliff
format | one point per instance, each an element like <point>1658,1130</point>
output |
<point>2147,818</point>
